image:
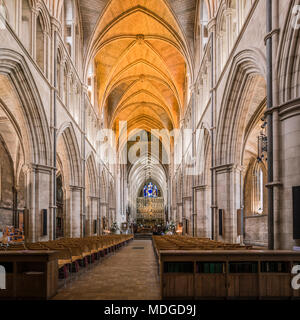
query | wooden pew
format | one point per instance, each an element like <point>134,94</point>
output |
<point>215,271</point>
<point>29,274</point>
<point>72,253</point>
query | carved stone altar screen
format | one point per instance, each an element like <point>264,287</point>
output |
<point>150,211</point>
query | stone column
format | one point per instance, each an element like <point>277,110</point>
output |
<point>43,185</point>
<point>34,15</point>
<point>52,70</point>
<point>169,200</point>
<point>229,31</point>
<point>76,211</point>
<point>93,213</point>
<point>276,126</point>
<point>239,16</point>
<point>72,98</point>
<point>120,202</point>
<point>179,217</point>
<point>68,92</point>
<point>228,199</point>
<point>61,79</point>
<point>37,198</point>
<point>202,211</point>
<point>107,216</point>
<point>187,214</point>
<point>83,94</point>
<point>29,173</point>
<point>103,214</point>
<point>88,218</point>
<point>15,206</point>
<point>214,72</point>
<point>174,215</point>
<point>73,45</point>
<point>98,217</point>
<point>18,17</point>
<point>68,213</point>
<point>289,116</point>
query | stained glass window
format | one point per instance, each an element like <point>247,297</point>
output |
<point>150,190</point>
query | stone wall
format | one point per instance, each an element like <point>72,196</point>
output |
<point>6,185</point>
<point>6,218</point>
<point>256,230</point>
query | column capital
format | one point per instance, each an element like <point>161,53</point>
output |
<point>75,188</point>
<point>289,109</point>
<point>201,187</point>
<point>55,24</point>
<point>37,168</point>
<point>194,87</point>
<point>286,110</point>
<point>227,168</point>
<point>228,12</point>
<point>85,88</point>
<point>211,25</point>
<point>34,11</point>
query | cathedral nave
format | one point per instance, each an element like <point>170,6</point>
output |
<point>131,130</point>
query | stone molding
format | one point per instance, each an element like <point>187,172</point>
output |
<point>76,188</point>
<point>225,168</point>
<point>286,110</point>
<point>201,187</point>
<point>289,109</point>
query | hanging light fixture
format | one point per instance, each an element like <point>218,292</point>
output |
<point>262,142</point>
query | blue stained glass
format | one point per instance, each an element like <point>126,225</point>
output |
<point>155,193</point>
<point>150,190</point>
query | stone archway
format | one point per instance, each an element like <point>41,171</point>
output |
<point>243,102</point>
<point>203,187</point>
<point>91,198</point>
<point>69,156</point>
<point>24,131</point>
<point>255,195</point>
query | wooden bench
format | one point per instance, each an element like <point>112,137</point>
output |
<point>227,274</point>
<point>193,268</point>
<point>29,274</point>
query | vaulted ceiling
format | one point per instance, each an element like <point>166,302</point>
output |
<point>92,11</point>
<point>141,54</point>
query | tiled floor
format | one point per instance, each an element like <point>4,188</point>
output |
<point>130,274</point>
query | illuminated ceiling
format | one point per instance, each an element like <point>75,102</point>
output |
<point>143,64</point>
<point>141,60</point>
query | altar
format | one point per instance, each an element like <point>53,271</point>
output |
<point>144,230</point>
<point>150,213</point>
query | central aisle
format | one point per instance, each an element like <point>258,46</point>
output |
<point>130,274</point>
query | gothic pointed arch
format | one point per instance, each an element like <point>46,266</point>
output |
<point>69,152</point>
<point>289,54</point>
<point>92,174</point>
<point>28,111</point>
<point>245,88</point>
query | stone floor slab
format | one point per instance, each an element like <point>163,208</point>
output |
<point>130,274</point>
